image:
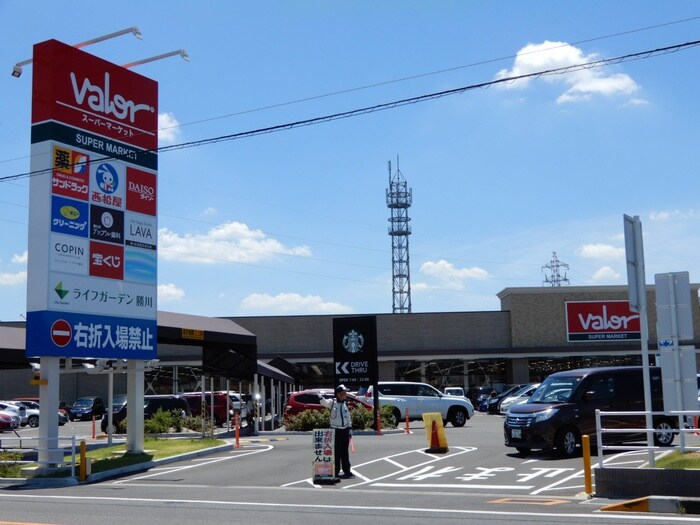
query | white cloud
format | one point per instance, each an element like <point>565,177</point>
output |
<point>10,279</point>
<point>637,102</point>
<point>605,275</point>
<point>451,277</point>
<point>168,129</point>
<point>210,211</point>
<point>228,242</point>
<point>20,259</point>
<point>292,303</point>
<point>582,85</point>
<point>667,215</point>
<point>600,251</point>
<point>168,293</point>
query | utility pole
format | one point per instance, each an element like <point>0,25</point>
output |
<point>555,278</point>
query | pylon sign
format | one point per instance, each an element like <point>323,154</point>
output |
<point>92,269</point>
<point>355,350</point>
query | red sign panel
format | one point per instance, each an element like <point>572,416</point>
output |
<point>601,321</point>
<point>106,260</point>
<point>86,92</point>
<point>140,191</point>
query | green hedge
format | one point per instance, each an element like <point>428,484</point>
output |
<point>362,419</point>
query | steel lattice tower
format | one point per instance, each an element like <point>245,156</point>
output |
<point>555,266</point>
<point>398,200</point>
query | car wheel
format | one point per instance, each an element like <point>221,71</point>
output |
<point>33,421</point>
<point>566,442</point>
<point>396,414</point>
<point>663,433</point>
<point>524,451</point>
<point>458,417</point>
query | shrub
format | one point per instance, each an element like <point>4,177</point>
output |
<point>158,423</point>
<point>9,468</point>
<point>176,420</point>
<point>307,420</point>
<point>195,423</point>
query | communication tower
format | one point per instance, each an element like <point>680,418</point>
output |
<point>398,200</point>
<point>555,266</point>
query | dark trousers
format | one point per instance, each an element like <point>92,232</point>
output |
<point>342,454</point>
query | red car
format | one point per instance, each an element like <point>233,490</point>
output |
<point>6,422</point>
<point>308,400</point>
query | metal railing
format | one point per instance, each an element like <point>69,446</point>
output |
<point>684,418</point>
<point>18,444</point>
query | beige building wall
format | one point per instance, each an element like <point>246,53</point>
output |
<point>538,315</point>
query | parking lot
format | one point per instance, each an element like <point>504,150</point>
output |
<point>477,480</point>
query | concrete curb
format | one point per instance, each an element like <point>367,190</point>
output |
<point>657,504</point>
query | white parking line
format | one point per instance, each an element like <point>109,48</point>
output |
<point>262,448</point>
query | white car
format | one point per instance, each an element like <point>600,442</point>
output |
<point>32,411</point>
<point>519,397</point>
<point>421,398</point>
<point>20,411</point>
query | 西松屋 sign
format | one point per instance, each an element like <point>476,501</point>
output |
<point>91,275</point>
<point>601,321</point>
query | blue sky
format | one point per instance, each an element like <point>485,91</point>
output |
<point>296,222</point>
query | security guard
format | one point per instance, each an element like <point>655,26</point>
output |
<point>342,423</point>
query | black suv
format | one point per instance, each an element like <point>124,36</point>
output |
<point>563,409</point>
<point>151,404</point>
<point>85,408</point>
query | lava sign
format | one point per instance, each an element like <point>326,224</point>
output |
<point>355,350</point>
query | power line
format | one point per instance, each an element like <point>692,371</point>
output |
<point>641,55</point>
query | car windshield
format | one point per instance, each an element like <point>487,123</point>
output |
<point>119,401</point>
<point>555,390</point>
<point>83,403</point>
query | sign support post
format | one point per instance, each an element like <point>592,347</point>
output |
<point>636,283</point>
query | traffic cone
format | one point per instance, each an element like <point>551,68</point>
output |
<point>407,430</point>
<point>697,426</point>
<point>435,447</point>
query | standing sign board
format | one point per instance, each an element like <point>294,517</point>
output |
<point>588,321</point>
<point>355,351</point>
<point>323,456</point>
<point>91,283</point>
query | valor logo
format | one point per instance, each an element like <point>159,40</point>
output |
<point>99,99</point>
<point>353,341</point>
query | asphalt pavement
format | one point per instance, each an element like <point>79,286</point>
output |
<point>269,477</point>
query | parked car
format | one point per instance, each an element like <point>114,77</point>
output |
<point>32,410</point>
<point>20,411</point>
<point>476,393</point>
<point>494,402</point>
<point>518,397</point>
<point>454,391</point>
<point>297,402</point>
<point>220,405</point>
<point>151,404</point>
<point>85,408</point>
<point>420,398</point>
<point>7,421</point>
<point>563,409</point>
<point>32,403</point>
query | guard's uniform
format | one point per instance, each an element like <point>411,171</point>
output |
<point>341,421</point>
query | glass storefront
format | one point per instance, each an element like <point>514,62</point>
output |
<point>540,368</point>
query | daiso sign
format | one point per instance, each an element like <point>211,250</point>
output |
<point>83,91</point>
<point>601,321</point>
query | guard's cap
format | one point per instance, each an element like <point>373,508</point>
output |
<point>341,388</point>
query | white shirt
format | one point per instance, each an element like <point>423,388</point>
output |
<point>340,414</point>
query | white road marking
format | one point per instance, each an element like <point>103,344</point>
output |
<point>263,448</point>
<point>585,518</point>
<point>451,486</point>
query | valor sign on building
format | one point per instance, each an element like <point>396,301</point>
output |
<point>91,283</point>
<point>601,321</point>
